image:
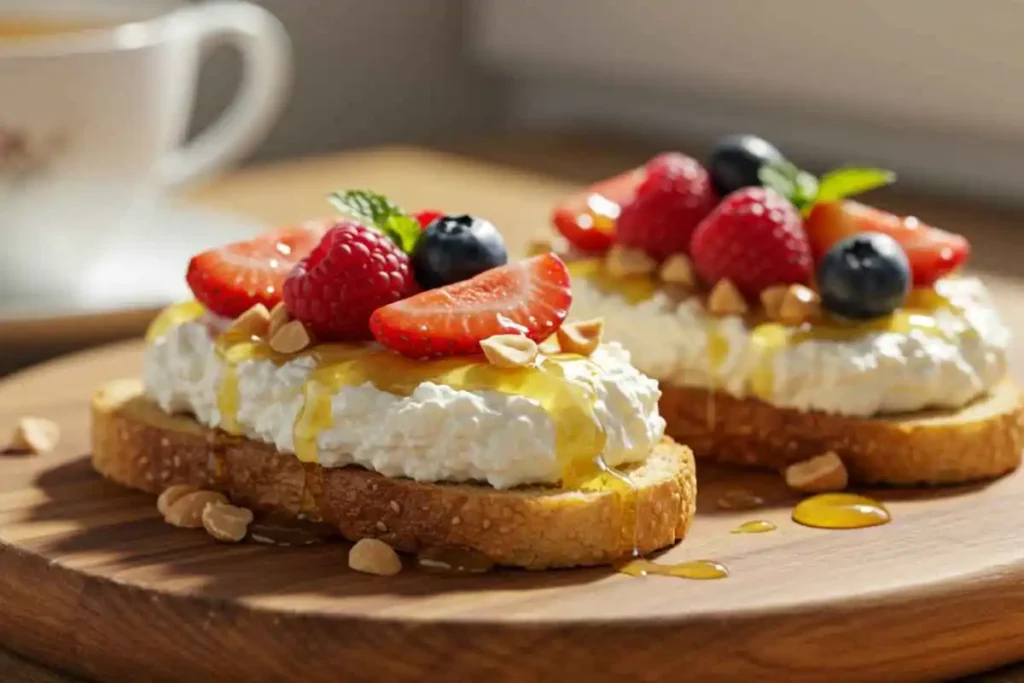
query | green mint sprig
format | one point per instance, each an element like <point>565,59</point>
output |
<point>378,211</point>
<point>804,190</point>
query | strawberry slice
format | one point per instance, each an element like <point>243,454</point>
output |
<point>587,219</point>
<point>932,252</point>
<point>426,217</point>
<point>229,280</point>
<point>529,297</point>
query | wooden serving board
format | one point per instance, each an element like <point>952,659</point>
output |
<point>92,581</point>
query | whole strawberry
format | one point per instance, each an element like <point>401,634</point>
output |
<point>755,238</point>
<point>668,205</point>
<point>352,272</point>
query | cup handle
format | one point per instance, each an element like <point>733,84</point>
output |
<point>266,56</point>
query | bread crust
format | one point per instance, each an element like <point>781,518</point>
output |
<point>980,441</point>
<point>138,445</point>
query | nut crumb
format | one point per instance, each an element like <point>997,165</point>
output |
<point>725,299</point>
<point>799,305</point>
<point>820,474</point>
<point>34,435</point>
<point>279,316</point>
<point>382,527</point>
<point>171,495</point>
<point>625,262</point>
<point>373,556</point>
<point>771,299</point>
<point>253,323</point>
<point>509,350</point>
<point>581,337</point>
<point>291,337</point>
<point>678,270</point>
<point>187,511</point>
<point>395,507</point>
<point>225,522</point>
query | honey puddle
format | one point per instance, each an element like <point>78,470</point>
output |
<point>840,511</point>
<point>695,569</point>
<point>757,526</point>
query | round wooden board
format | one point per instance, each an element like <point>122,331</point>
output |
<point>92,581</point>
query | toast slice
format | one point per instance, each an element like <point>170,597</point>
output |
<point>980,441</point>
<point>138,445</point>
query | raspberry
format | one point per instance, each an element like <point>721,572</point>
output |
<point>674,197</point>
<point>352,272</point>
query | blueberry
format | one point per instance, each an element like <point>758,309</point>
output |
<point>736,160</point>
<point>865,276</point>
<point>455,248</point>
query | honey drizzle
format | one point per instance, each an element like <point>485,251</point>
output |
<point>694,569</point>
<point>840,511</point>
<point>626,489</point>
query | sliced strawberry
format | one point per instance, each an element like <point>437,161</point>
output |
<point>528,297</point>
<point>229,280</point>
<point>426,217</point>
<point>587,219</point>
<point>932,252</point>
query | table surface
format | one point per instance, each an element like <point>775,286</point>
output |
<point>543,167</point>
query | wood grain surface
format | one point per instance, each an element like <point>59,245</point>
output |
<point>92,582</point>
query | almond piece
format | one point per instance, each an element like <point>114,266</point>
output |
<point>291,337</point>
<point>581,337</point>
<point>799,304</point>
<point>227,523</point>
<point>279,315</point>
<point>725,299</point>
<point>771,299</point>
<point>171,495</point>
<point>820,474</point>
<point>678,270</point>
<point>253,323</point>
<point>373,556</point>
<point>509,350</point>
<point>625,262</point>
<point>34,435</point>
<point>187,511</point>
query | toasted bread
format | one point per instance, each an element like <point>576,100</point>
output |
<point>980,441</point>
<point>138,445</point>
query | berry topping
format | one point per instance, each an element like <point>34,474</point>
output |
<point>864,276</point>
<point>756,239</point>
<point>352,272</point>
<point>932,252</point>
<point>425,218</point>
<point>230,280</point>
<point>587,219</point>
<point>673,198</point>
<point>736,162</point>
<point>528,297</point>
<point>455,248</point>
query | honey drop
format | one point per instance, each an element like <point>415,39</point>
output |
<point>840,511</point>
<point>757,526</point>
<point>695,569</point>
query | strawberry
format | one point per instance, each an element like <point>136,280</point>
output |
<point>229,280</point>
<point>529,297</point>
<point>426,217</point>
<point>932,252</point>
<point>587,219</point>
<point>755,238</point>
<point>352,272</point>
<point>674,197</point>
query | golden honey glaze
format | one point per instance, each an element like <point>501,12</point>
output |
<point>840,511</point>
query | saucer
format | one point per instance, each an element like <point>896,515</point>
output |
<point>110,287</point>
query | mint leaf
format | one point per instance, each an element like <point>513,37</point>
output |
<point>376,210</point>
<point>799,187</point>
<point>851,180</point>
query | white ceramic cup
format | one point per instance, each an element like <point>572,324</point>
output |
<point>92,121</point>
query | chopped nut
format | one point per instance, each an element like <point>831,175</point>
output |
<point>549,346</point>
<point>581,337</point>
<point>509,350</point>
<point>771,299</point>
<point>279,315</point>
<point>725,299</point>
<point>625,262</point>
<point>373,556</point>
<point>825,472</point>
<point>253,323</point>
<point>678,270</point>
<point>799,304</point>
<point>35,435</point>
<point>395,507</point>
<point>291,337</point>
<point>227,523</point>
<point>171,495</point>
<point>187,511</point>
